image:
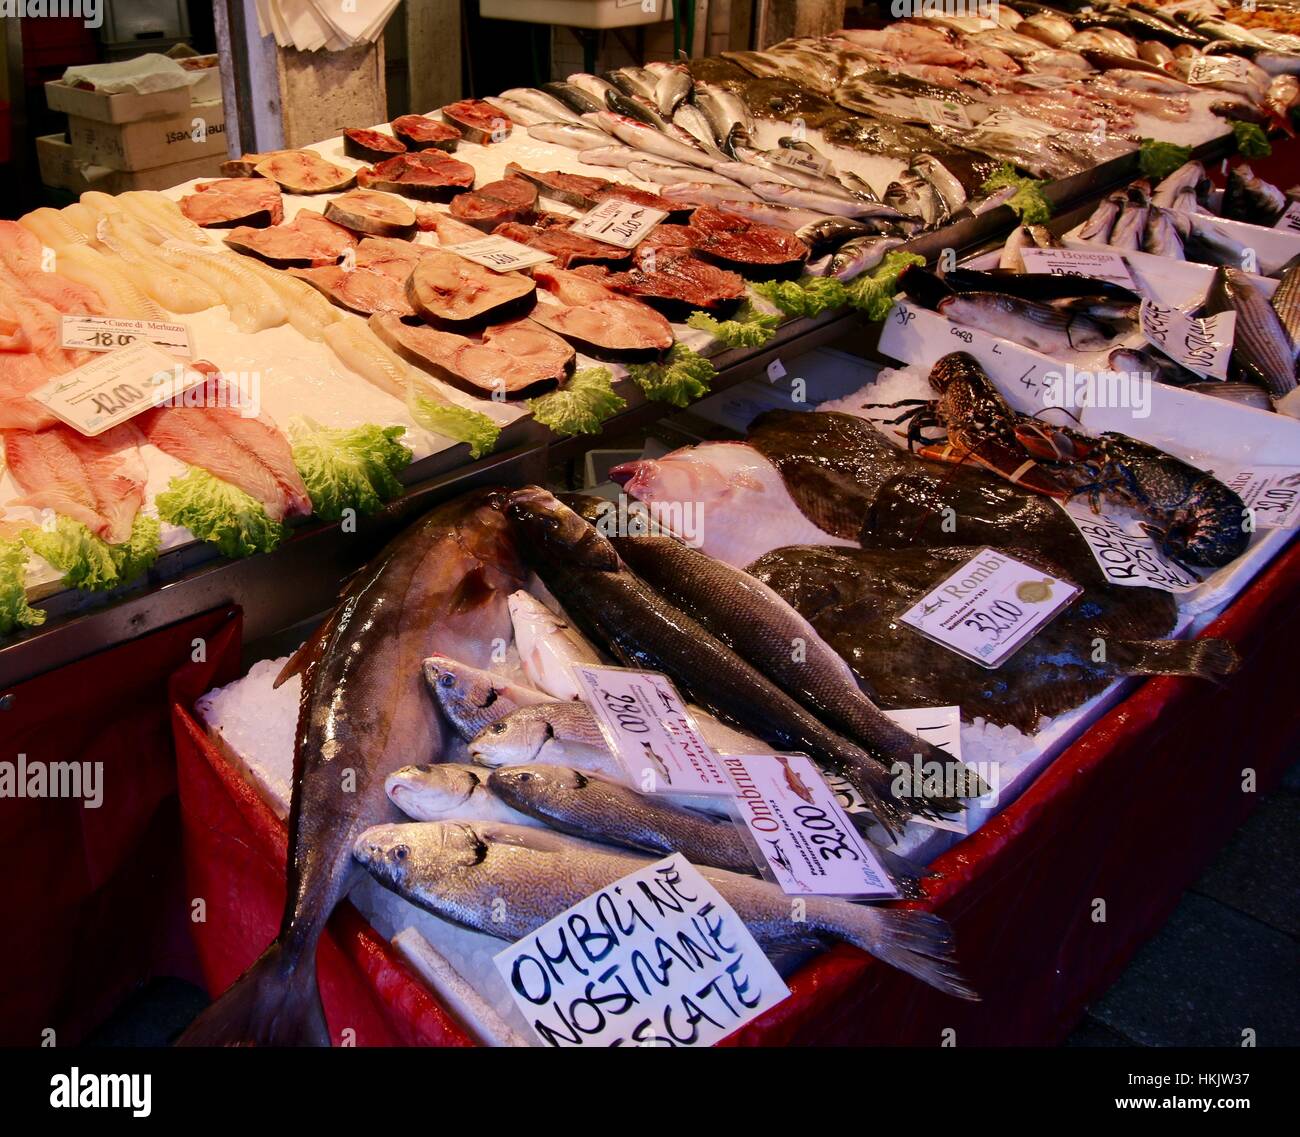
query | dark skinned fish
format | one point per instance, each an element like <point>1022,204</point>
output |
<point>439,587</point>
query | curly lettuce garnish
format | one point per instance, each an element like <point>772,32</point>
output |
<point>873,292</point>
<point>454,421</point>
<point>219,513</point>
<point>1028,202</point>
<point>15,612</point>
<point>810,296</point>
<point>1252,142</point>
<point>748,328</point>
<point>89,563</point>
<point>348,469</point>
<point>684,376</point>
<point>1160,159</point>
<point>582,405</point>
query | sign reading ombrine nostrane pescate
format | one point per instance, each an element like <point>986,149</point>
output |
<point>658,958</point>
<point>500,253</point>
<point>618,222</point>
<point>805,842</point>
<point>1125,552</point>
<point>989,607</point>
<point>115,387</point>
<point>646,723</point>
<point>1201,344</point>
<point>1270,493</point>
<point>1097,264</point>
<point>108,333</point>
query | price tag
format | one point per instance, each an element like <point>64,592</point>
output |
<point>1271,493</point>
<point>657,957</point>
<point>800,160</point>
<point>499,253</point>
<point>989,607</point>
<point>775,371</point>
<point>116,387</point>
<point>1208,69</point>
<point>1079,262</point>
<point>937,112</point>
<point>646,723</point>
<point>107,333</point>
<point>618,222</point>
<point>803,840</point>
<point>1201,344</point>
<point>1124,552</point>
<point>1290,219</point>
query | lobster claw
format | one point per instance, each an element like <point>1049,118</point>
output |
<point>1051,442</point>
<point>1002,460</point>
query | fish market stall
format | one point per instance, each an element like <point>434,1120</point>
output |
<point>437,312</point>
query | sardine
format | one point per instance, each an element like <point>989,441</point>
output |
<point>450,791</point>
<point>462,872</point>
<point>1039,326</point>
<point>470,697</point>
<point>439,587</point>
<point>548,646</point>
<point>638,627</point>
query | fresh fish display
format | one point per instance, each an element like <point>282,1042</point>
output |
<point>450,791</point>
<point>461,871</point>
<point>572,135</point>
<point>440,586</point>
<point>564,732</point>
<point>471,698</point>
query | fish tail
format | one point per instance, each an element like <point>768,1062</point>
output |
<point>274,1003</point>
<point>1202,659</point>
<point>906,874</point>
<point>919,943</point>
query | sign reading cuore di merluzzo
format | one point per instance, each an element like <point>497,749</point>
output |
<point>656,958</point>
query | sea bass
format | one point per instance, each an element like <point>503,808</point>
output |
<point>461,872</point>
<point>439,587</point>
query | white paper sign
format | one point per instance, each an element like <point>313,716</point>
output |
<point>806,843</point>
<point>1207,69</point>
<point>500,253</point>
<point>989,607</point>
<point>107,333</point>
<point>800,160</point>
<point>618,222</point>
<point>657,958</point>
<point>1271,493</point>
<point>646,723</point>
<point>1079,262</point>
<point>775,370</point>
<point>941,113</point>
<point>115,387</point>
<point>1201,344</point>
<point>1124,552</point>
<point>1290,219</point>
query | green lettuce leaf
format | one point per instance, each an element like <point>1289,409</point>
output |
<point>348,469</point>
<point>454,421</point>
<point>810,296</point>
<point>1028,202</point>
<point>92,564</point>
<point>219,513</point>
<point>684,375</point>
<point>581,405</point>
<point>1252,142</point>
<point>873,292</point>
<point>14,609</point>
<point>1160,159</point>
<point>749,327</point>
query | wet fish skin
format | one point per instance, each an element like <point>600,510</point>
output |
<point>1251,199</point>
<point>1286,303</point>
<point>859,255</point>
<point>470,697</point>
<point>548,646</point>
<point>1160,235</point>
<point>461,872</point>
<point>1190,175</point>
<point>1102,220</point>
<point>1261,344</point>
<point>557,729</point>
<point>447,791</point>
<point>574,136</point>
<point>1034,325</point>
<point>441,585</point>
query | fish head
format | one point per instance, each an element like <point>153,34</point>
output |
<point>411,851</point>
<point>455,684</point>
<point>534,781</point>
<point>511,741</point>
<point>429,792</point>
<point>557,535</point>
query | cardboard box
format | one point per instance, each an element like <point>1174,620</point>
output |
<point>208,85</point>
<point>198,131</point>
<point>62,169</point>
<point>115,108</point>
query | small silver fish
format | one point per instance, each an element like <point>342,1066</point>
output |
<point>1101,221</point>
<point>1026,322</point>
<point>574,136</point>
<point>1160,236</point>
<point>447,791</point>
<point>471,697</point>
<point>859,255</point>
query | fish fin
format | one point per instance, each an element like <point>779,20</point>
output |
<point>274,1003</point>
<point>473,591</point>
<point>919,943</point>
<point>1202,659</point>
<point>301,661</point>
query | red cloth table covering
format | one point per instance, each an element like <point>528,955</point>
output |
<point>1129,814</point>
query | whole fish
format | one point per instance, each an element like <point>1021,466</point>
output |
<point>597,809</point>
<point>664,174</point>
<point>1141,361</point>
<point>1207,243</point>
<point>792,175</point>
<point>673,89</point>
<point>769,213</point>
<point>1246,394</point>
<point>859,255</point>
<point>470,697</point>
<point>912,194</point>
<point>1251,199</point>
<point>1130,226</point>
<point>945,183</point>
<point>548,646</point>
<point>574,136</point>
<point>707,193</point>
<point>691,119</point>
<point>646,138</point>
<point>541,103</point>
<point>763,629</point>
<point>1260,344</point>
<point>828,204</point>
<point>637,109</point>
<point>1286,303</point>
<point>614,155</point>
<point>634,81</point>
<point>746,174</point>
<point>1009,257</point>
<point>1039,326</point>
<point>518,113</point>
<point>727,114</point>
<point>638,627</point>
<point>448,791</point>
<point>1190,175</point>
<point>439,587</point>
<point>594,85</point>
<point>832,231</point>
<point>462,872</point>
<point>1160,236</point>
<point>575,98</point>
<point>1102,220</point>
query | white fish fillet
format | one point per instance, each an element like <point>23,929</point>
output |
<point>365,353</point>
<point>175,290</point>
<point>309,312</point>
<point>103,273</point>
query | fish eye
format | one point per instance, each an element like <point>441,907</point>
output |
<point>524,776</point>
<point>401,852</point>
<point>446,680</point>
<point>498,728</point>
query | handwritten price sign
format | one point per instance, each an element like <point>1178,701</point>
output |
<point>1201,344</point>
<point>618,222</point>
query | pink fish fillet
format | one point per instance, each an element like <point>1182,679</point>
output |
<point>247,452</point>
<point>20,373</point>
<point>97,481</point>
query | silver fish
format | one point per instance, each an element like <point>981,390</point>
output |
<point>448,791</point>
<point>471,698</point>
<point>560,731</point>
<point>1286,303</point>
<point>667,175</point>
<point>704,193</point>
<point>769,213</point>
<point>1026,322</point>
<point>1102,220</point>
<point>1009,258</point>
<point>1189,175</point>
<point>944,181</point>
<point>542,103</point>
<point>1160,235</point>
<point>1245,394</point>
<point>518,113</point>
<point>673,89</point>
<point>1251,199</point>
<point>652,141</point>
<point>462,872</point>
<point>800,198</point>
<point>1260,343</point>
<point>574,136</point>
<point>1130,226</point>
<point>911,194</point>
<point>1155,365</point>
<point>746,174</point>
<point>804,179</point>
<point>594,85</point>
<point>993,201</point>
<point>727,114</point>
<point>691,119</point>
<point>857,186</point>
<point>635,81</point>
<point>617,155</point>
